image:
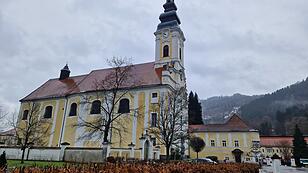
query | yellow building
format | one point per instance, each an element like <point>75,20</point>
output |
<point>62,100</point>
<point>233,141</point>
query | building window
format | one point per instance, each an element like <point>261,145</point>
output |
<point>269,150</point>
<point>25,115</point>
<point>73,110</point>
<point>154,98</point>
<point>263,150</point>
<point>166,51</point>
<point>153,119</point>
<point>236,144</point>
<point>180,53</point>
<point>124,106</point>
<point>48,112</point>
<point>224,143</point>
<point>96,107</point>
<point>154,95</point>
<point>212,143</point>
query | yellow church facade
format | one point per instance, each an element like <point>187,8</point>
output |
<point>62,102</point>
<point>232,141</point>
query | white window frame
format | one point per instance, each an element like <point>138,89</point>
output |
<point>154,99</point>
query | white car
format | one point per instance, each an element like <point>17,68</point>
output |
<point>304,162</point>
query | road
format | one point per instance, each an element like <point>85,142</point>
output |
<point>284,169</point>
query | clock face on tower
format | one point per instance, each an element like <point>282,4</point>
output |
<point>165,34</point>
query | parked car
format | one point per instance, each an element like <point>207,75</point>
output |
<point>204,160</point>
<point>304,162</point>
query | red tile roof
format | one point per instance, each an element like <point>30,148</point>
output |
<point>276,141</point>
<point>53,88</point>
<point>234,124</point>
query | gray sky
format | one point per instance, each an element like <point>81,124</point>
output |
<point>245,46</point>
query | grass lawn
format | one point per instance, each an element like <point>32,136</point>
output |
<point>16,163</point>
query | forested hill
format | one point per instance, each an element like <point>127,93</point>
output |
<point>264,109</point>
<point>278,111</point>
<point>268,105</point>
<point>214,109</point>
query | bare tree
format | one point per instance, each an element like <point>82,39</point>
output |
<point>3,114</point>
<point>110,91</point>
<point>171,126</point>
<point>30,128</point>
<point>285,149</point>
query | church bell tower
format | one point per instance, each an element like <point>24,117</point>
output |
<point>169,48</point>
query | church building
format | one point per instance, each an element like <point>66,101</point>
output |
<point>61,100</point>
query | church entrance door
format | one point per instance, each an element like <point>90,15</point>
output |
<point>146,150</point>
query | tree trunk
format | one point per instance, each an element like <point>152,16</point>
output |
<point>105,142</point>
<point>23,155</point>
<point>197,155</point>
<point>167,152</point>
<point>106,132</point>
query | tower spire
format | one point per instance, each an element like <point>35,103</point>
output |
<point>169,18</point>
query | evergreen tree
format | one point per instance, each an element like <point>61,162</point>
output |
<point>266,128</point>
<point>194,109</point>
<point>299,146</point>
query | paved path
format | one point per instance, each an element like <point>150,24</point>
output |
<point>284,169</point>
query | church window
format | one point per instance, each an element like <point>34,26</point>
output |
<point>124,106</point>
<point>73,110</point>
<point>48,112</point>
<point>236,144</point>
<point>212,143</point>
<point>25,115</point>
<point>154,95</point>
<point>166,51</point>
<point>180,53</point>
<point>224,143</point>
<point>96,107</point>
<point>154,120</point>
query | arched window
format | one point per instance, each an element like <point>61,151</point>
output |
<point>96,107</point>
<point>124,106</point>
<point>73,110</point>
<point>48,112</point>
<point>166,51</point>
<point>25,115</point>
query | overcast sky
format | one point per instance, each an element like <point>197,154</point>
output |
<point>233,46</point>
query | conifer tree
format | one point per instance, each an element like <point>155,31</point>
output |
<point>299,146</point>
<point>194,109</point>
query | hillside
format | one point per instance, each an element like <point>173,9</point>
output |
<point>264,109</point>
<point>214,109</point>
<point>268,105</point>
<point>278,111</point>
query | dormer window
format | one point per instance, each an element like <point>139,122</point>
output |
<point>166,51</point>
